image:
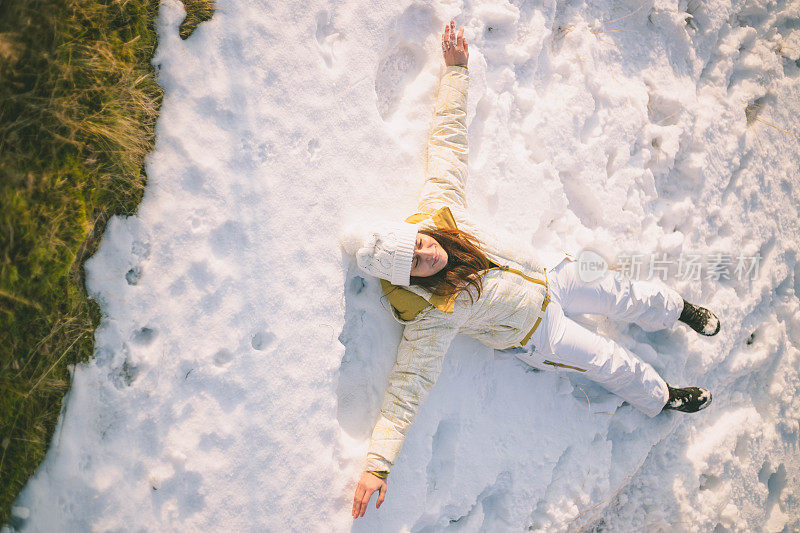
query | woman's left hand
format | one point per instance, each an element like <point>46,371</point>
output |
<point>454,47</point>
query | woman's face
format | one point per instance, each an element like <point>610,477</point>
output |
<point>429,257</point>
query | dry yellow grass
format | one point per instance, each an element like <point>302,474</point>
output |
<point>78,104</point>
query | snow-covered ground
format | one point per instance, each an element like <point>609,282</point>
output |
<point>242,358</point>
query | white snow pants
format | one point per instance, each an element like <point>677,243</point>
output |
<point>560,343</point>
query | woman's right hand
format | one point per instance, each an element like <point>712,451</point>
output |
<point>368,484</point>
<point>454,47</point>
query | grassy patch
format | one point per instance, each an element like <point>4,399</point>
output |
<point>78,104</point>
<point>197,11</point>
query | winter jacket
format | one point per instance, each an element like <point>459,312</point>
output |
<point>512,302</point>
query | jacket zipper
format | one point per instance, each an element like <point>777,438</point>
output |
<point>515,271</point>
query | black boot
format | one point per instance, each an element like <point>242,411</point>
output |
<point>699,319</point>
<point>688,399</point>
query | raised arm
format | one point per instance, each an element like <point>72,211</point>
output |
<point>447,144</point>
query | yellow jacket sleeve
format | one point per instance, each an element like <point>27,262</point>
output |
<point>419,362</point>
<point>446,174</point>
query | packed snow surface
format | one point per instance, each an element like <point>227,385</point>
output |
<point>242,357</point>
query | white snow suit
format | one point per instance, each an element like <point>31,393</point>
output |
<point>515,310</point>
<point>560,342</point>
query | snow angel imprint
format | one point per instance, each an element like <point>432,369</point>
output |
<point>443,276</point>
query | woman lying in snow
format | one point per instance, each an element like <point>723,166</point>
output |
<point>443,277</point>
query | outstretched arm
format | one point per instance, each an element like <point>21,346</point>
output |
<point>419,362</point>
<point>447,144</point>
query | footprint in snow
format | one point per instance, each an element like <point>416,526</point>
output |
<point>227,239</point>
<point>223,357</point>
<point>144,336</point>
<point>396,70</point>
<point>124,375</point>
<point>262,339</point>
<point>327,37</point>
<point>134,275</point>
<point>254,152</point>
<point>357,284</point>
<point>663,109</point>
<point>193,180</point>
<point>141,251</point>
<point>313,149</point>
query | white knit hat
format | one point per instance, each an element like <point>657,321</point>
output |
<point>387,252</point>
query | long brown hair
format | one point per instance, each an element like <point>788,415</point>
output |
<point>465,261</point>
